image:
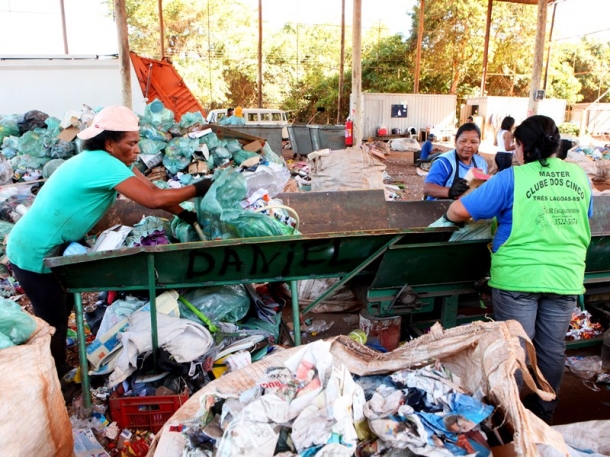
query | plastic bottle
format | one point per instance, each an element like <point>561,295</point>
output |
<point>606,351</point>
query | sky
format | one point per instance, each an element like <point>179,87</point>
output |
<point>33,27</point>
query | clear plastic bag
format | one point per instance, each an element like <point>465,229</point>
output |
<point>585,367</point>
<point>15,324</point>
<point>6,172</point>
<point>218,304</point>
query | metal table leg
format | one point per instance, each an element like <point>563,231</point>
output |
<point>82,350</point>
<point>296,315</point>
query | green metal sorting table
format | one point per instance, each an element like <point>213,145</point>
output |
<point>345,235</point>
<point>240,261</point>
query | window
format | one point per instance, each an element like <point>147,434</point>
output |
<point>266,117</point>
<point>277,117</point>
<point>252,117</point>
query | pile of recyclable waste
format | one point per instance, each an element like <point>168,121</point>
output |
<point>172,154</point>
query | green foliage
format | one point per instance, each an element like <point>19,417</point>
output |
<point>569,128</point>
<point>214,46</point>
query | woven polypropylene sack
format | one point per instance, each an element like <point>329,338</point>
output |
<point>484,355</point>
<point>33,417</point>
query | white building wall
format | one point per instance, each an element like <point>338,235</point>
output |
<point>424,111</point>
<point>598,117</point>
<point>56,85</point>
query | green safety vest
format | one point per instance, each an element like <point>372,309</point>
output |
<point>547,246</point>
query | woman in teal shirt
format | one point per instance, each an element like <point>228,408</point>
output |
<point>73,200</point>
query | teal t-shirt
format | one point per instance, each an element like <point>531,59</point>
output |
<point>69,204</point>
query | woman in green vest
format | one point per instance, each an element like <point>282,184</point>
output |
<point>538,262</point>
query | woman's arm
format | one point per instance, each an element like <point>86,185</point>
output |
<point>508,141</point>
<point>436,191</point>
<point>142,191</point>
<point>457,212</point>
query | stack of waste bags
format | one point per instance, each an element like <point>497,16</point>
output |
<point>33,145</point>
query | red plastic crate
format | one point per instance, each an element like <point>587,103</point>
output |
<point>145,413</point>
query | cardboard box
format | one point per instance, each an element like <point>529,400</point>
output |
<point>255,146</point>
<point>506,450</point>
<point>198,167</point>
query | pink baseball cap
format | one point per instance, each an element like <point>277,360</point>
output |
<point>113,118</point>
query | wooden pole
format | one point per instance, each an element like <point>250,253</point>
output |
<point>124,62</point>
<point>63,25</point>
<point>486,47</point>
<point>420,35</point>
<point>342,62</point>
<point>161,29</point>
<point>260,53</point>
<point>532,107</point>
<point>548,54</point>
<point>358,109</point>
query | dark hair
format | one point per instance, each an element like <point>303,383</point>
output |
<point>98,142</point>
<point>470,118</point>
<point>507,123</point>
<point>468,127</point>
<point>539,137</point>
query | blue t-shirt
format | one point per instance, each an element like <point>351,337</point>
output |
<point>495,199</point>
<point>441,170</point>
<point>426,149</point>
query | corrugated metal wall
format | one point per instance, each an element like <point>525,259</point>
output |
<point>423,111</point>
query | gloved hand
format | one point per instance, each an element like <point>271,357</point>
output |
<point>446,218</point>
<point>190,217</point>
<point>201,187</point>
<point>458,188</point>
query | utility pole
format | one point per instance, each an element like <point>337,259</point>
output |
<point>124,62</point>
<point>63,25</point>
<point>260,53</point>
<point>342,62</point>
<point>532,107</point>
<point>161,29</point>
<point>420,34</point>
<point>358,111</point>
<point>486,47</point>
<point>548,54</point>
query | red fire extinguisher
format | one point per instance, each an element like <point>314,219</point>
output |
<point>349,132</point>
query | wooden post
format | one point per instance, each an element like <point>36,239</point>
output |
<point>161,29</point>
<point>358,110</point>
<point>420,35</point>
<point>548,53</point>
<point>486,47</point>
<point>124,61</point>
<point>63,25</point>
<point>342,62</point>
<point>532,107</point>
<point>260,53</point>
